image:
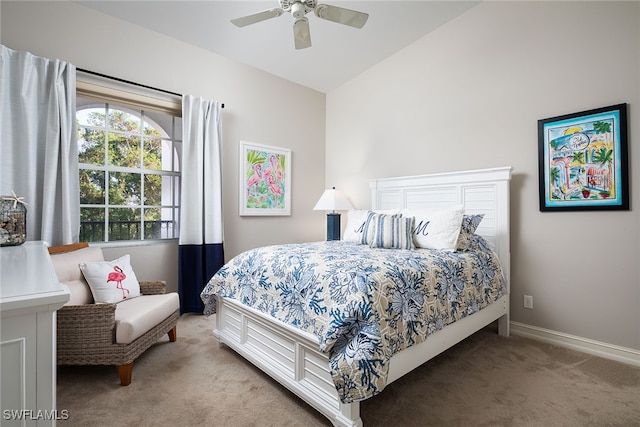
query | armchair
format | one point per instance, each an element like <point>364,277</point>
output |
<point>108,333</point>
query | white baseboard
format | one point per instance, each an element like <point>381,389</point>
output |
<point>597,348</point>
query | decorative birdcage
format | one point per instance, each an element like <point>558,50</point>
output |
<point>13,220</point>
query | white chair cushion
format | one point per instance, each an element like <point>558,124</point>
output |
<point>136,316</point>
<point>66,266</point>
<point>80,293</point>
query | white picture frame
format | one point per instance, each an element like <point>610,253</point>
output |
<point>265,180</point>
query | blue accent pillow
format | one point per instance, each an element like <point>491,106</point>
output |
<point>469,226</point>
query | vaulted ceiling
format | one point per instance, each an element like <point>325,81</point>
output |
<point>338,52</point>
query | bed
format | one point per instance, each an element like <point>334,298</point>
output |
<point>308,356</point>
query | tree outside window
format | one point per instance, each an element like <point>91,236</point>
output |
<point>129,173</point>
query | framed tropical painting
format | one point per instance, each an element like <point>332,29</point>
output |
<point>265,180</point>
<point>582,160</point>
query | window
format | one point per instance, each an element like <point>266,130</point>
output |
<point>129,170</point>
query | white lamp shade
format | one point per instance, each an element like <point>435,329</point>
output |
<point>333,200</point>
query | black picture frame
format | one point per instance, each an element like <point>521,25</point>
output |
<point>583,161</point>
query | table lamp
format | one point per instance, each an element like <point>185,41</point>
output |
<point>333,200</point>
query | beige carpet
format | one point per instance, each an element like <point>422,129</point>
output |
<point>486,380</point>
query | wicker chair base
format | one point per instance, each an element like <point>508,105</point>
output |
<point>86,352</point>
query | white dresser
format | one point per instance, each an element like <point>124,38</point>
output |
<point>29,297</point>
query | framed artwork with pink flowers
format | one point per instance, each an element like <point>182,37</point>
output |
<point>265,180</point>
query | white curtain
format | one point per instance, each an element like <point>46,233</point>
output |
<point>38,147</point>
<point>201,251</point>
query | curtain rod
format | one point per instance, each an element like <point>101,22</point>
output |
<point>131,83</point>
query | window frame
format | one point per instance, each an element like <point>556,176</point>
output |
<point>136,100</point>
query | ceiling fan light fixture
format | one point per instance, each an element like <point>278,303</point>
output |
<point>301,33</point>
<point>298,10</point>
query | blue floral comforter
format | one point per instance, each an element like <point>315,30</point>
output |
<point>364,304</point>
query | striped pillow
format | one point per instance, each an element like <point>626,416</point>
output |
<point>391,232</point>
<point>368,228</point>
<point>356,219</point>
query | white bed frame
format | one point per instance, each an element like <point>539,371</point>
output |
<point>290,355</point>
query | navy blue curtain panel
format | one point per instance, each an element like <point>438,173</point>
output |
<point>197,264</point>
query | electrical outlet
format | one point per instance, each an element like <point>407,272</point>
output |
<point>528,301</point>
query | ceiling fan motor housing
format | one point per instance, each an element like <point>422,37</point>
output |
<point>298,8</point>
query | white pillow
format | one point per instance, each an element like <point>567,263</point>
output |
<point>111,281</point>
<point>355,223</point>
<point>436,228</point>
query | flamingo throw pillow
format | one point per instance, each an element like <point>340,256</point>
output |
<point>111,281</point>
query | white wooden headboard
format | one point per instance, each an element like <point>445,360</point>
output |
<point>484,191</point>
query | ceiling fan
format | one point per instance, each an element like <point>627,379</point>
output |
<point>299,8</point>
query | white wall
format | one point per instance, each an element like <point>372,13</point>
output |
<point>259,107</point>
<point>468,96</point>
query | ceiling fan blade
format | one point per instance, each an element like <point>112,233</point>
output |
<point>341,15</point>
<point>301,33</point>
<point>257,17</point>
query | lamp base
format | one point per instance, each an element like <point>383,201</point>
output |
<point>333,226</point>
